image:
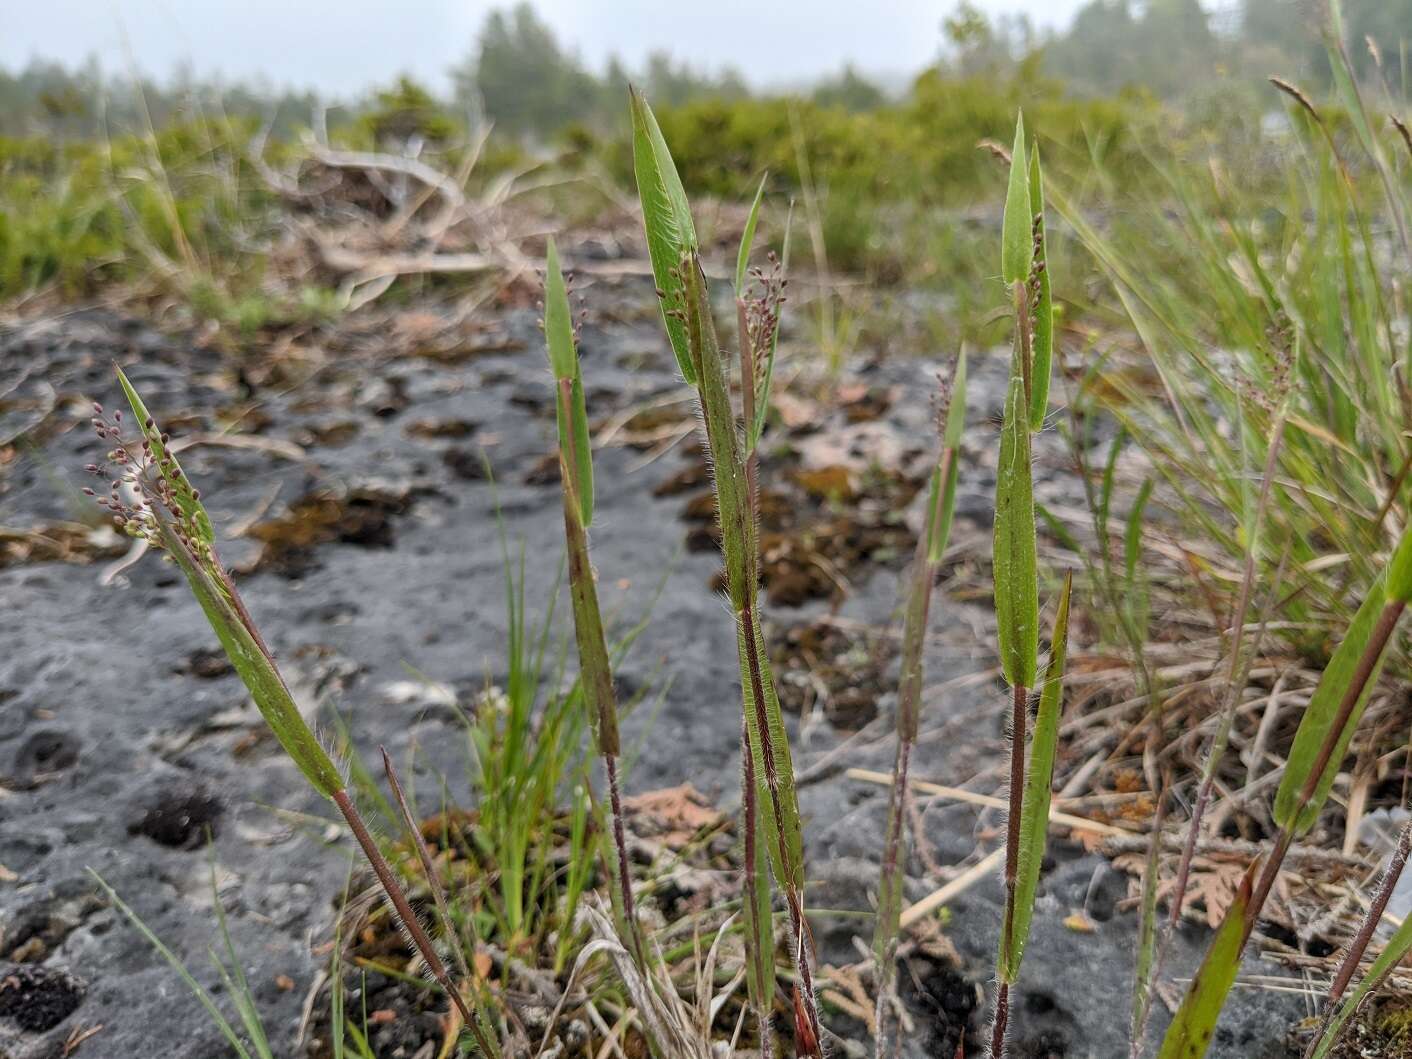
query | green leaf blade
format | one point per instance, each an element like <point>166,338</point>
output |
<point>1291,811</point>
<point>1034,812</point>
<point>575,445</point>
<point>1393,954</point>
<point>1015,561</point>
<point>666,219</point>
<point>1190,1032</point>
<point>558,320</point>
<point>747,238</point>
<point>1017,235</point>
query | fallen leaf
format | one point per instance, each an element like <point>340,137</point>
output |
<point>1079,923</point>
<point>674,814</point>
<point>827,483</point>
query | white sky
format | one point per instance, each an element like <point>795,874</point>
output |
<point>343,46</point>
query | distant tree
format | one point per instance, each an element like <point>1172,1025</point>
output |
<point>977,45</point>
<point>521,77</point>
<point>1165,45</point>
<point>406,111</point>
<point>849,90</point>
<point>670,83</point>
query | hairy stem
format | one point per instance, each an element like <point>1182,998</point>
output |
<point>438,893</point>
<point>1359,945</point>
<point>393,889</point>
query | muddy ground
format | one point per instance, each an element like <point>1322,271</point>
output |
<point>357,511</point>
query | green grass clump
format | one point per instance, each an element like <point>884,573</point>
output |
<point>681,282</point>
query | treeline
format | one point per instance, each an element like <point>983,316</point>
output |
<point>519,75</point>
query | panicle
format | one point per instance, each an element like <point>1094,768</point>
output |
<point>146,489</point>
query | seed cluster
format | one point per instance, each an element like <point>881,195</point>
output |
<point>762,311</point>
<point>1037,271</point>
<point>941,406</point>
<point>146,488</point>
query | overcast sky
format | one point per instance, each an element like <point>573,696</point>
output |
<point>343,46</point>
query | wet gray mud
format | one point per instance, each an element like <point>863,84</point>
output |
<point>357,511</point>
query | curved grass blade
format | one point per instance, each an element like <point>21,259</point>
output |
<point>1015,562</point>
<point>1034,814</point>
<point>1190,1032</point>
<point>1042,311</point>
<point>666,219</point>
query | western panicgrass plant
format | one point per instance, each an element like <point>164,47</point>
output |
<point>1320,743</point>
<point>576,476</point>
<point>686,314</point>
<point>926,563</point>
<point>151,498</point>
<point>1023,267</point>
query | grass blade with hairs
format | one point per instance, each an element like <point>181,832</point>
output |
<point>1015,562</point>
<point>686,303</point>
<point>1034,814</point>
<point>1396,949</point>
<point>666,217</point>
<point>152,499</point>
<point>1319,745</point>
<point>757,324</point>
<point>1334,1019</point>
<point>931,546</point>
<point>1194,1024</point>
<point>576,476</point>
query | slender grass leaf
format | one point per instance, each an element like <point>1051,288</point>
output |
<point>558,320</point>
<point>189,543</point>
<point>941,501</point>
<point>941,505</point>
<point>221,1023</point>
<point>1034,813</point>
<point>1392,955</point>
<point>1290,810</point>
<point>1042,312</point>
<point>1146,938</point>
<point>758,920</point>
<point>666,219</point>
<point>747,238</point>
<point>571,414</point>
<point>257,671</point>
<point>235,981</point>
<point>1015,563</point>
<point>1191,1029</point>
<point>1399,571</point>
<point>1017,235</point>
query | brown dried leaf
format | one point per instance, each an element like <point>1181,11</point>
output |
<point>673,814</point>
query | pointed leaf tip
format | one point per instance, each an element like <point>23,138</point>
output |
<point>1017,238</point>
